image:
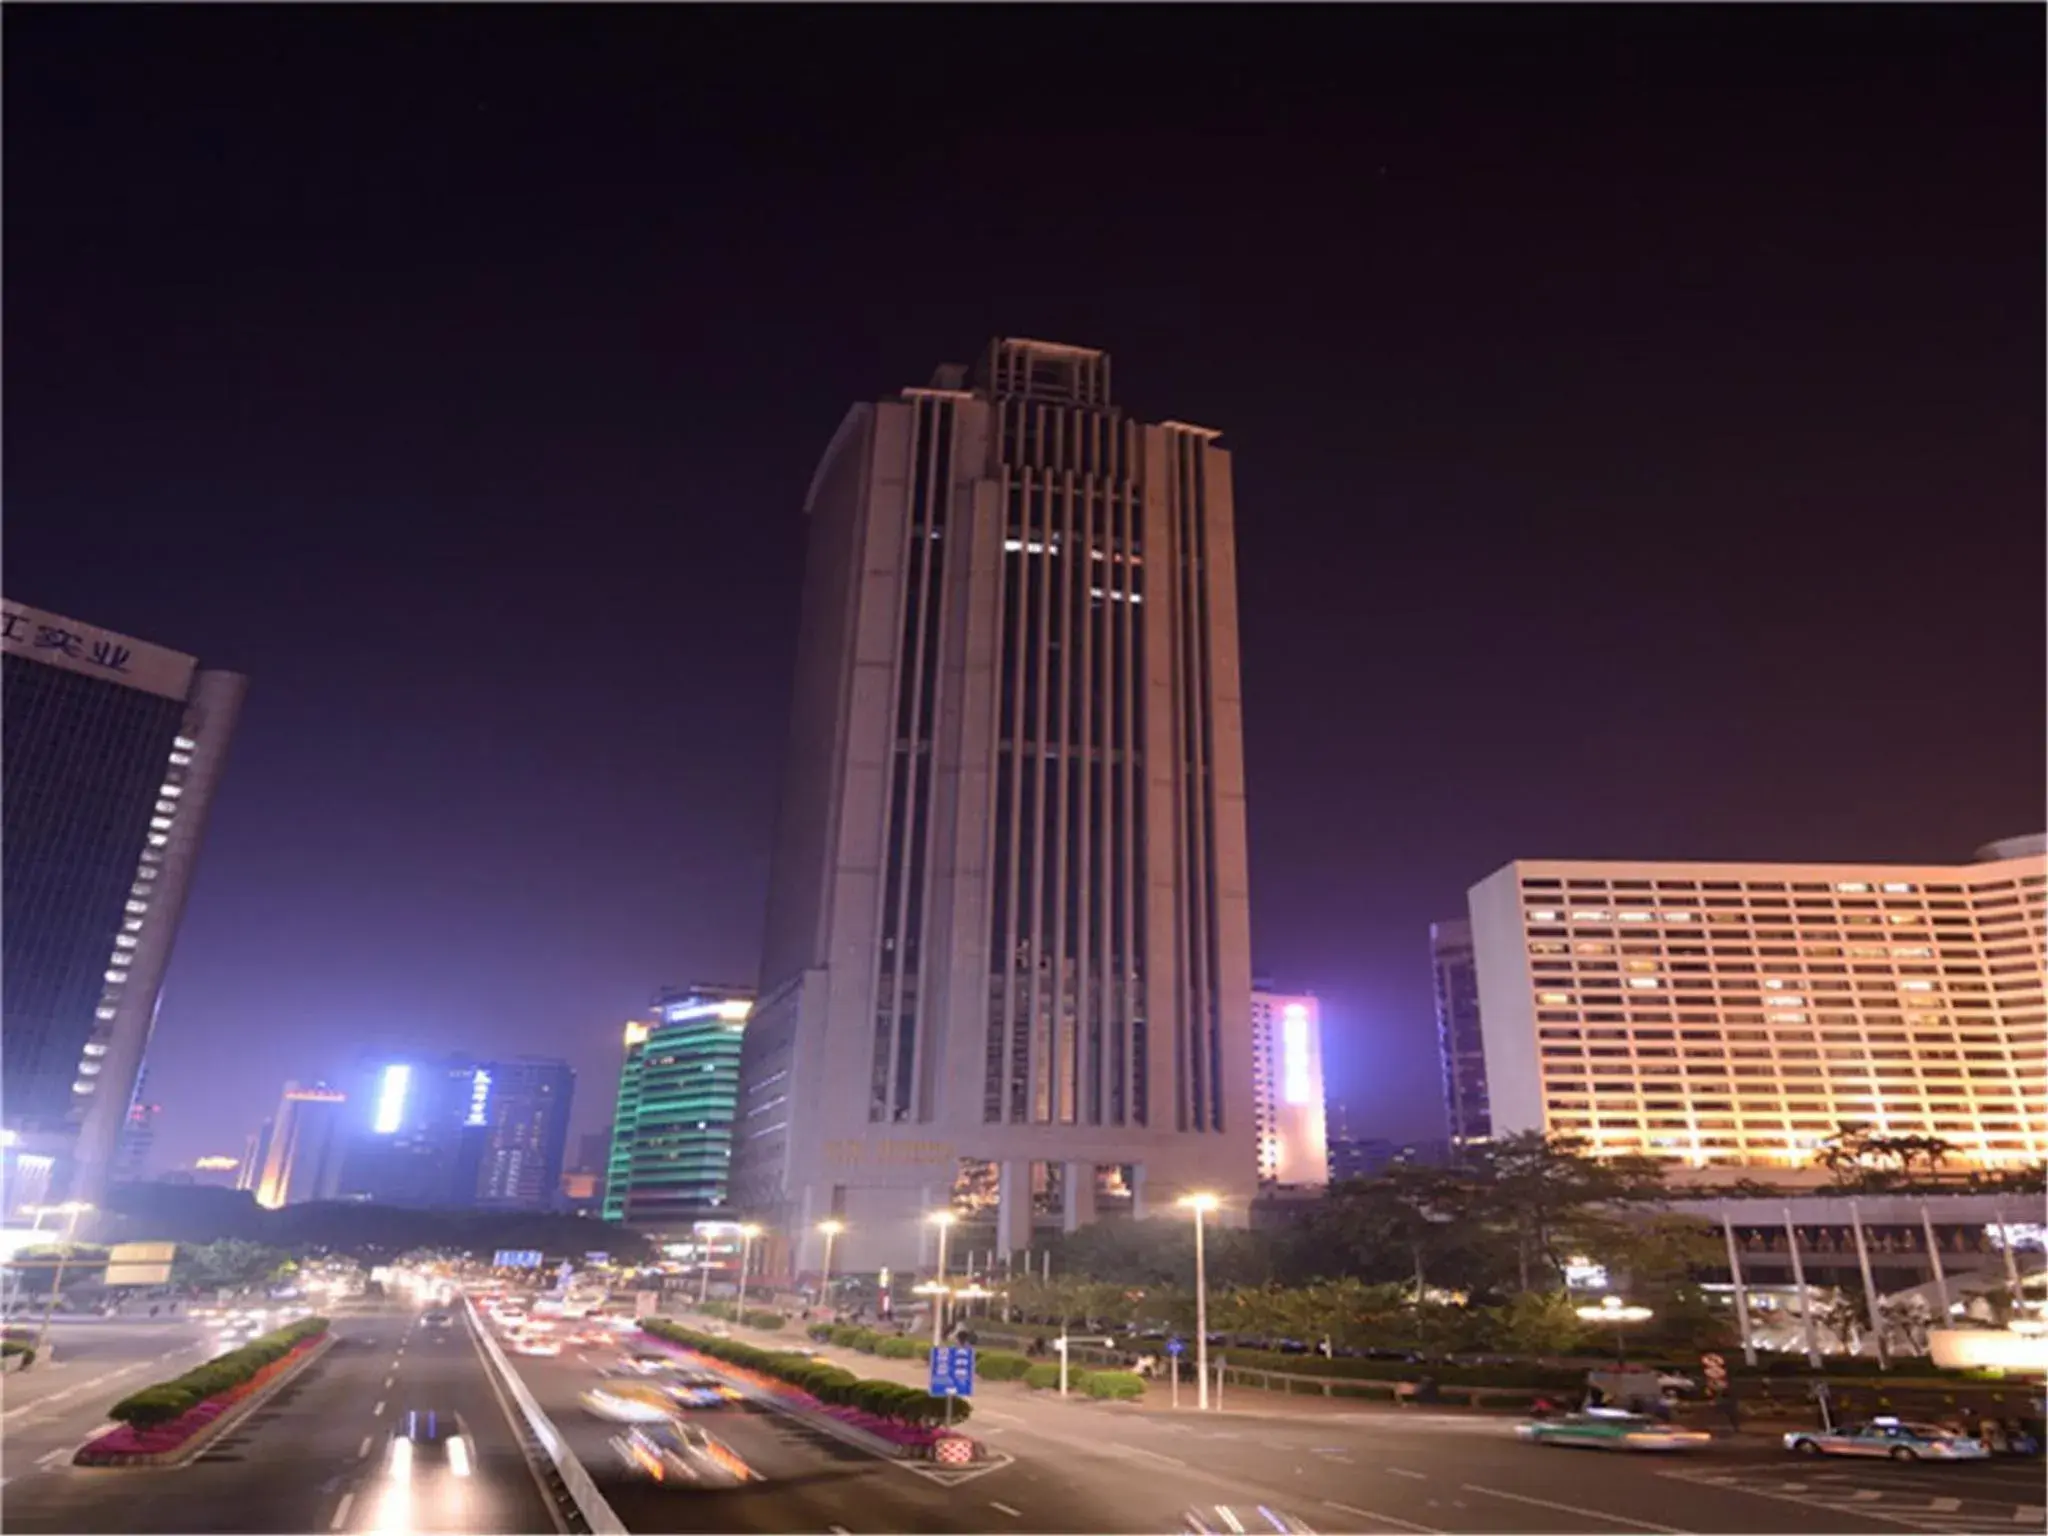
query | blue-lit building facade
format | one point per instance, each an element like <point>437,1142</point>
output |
<point>672,1134</point>
<point>452,1132</point>
<point>527,1106</point>
<point>113,749</point>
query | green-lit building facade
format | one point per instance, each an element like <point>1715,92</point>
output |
<point>671,1154</point>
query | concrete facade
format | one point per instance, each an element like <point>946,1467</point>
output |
<point>1723,1016</point>
<point>1006,970</point>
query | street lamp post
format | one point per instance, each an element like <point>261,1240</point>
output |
<point>943,1220</point>
<point>74,1209</point>
<point>831,1229</point>
<point>1201,1205</point>
<point>1616,1314</point>
<point>704,1287</point>
<point>748,1233</point>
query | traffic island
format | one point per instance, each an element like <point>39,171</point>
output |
<point>171,1424</point>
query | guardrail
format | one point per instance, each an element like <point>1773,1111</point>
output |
<point>598,1515</point>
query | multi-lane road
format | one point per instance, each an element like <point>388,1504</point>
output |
<point>314,1459</point>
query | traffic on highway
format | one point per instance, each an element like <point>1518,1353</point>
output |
<point>454,1400</point>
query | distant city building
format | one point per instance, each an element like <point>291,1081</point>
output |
<point>138,1136</point>
<point>582,1184</point>
<point>304,1159</point>
<point>1008,932</point>
<point>218,1172</point>
<point>418,1131</point>
<point>1287,1089</point>
<point>114,748</point>
<point>670,1163</point>
<point>1733,1016</point>
<point>1461,1045</point>
<point>528,1113</point>
<point>255,1153</point>
<point>1367,1157</point>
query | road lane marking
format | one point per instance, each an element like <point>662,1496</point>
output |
<point>51,1458</point>
<point>2032,1514</point>
<point>837,1530</point>
<point>1369,1514</point>
<point>378,1411</point>
<point>389,1379</point>
<point>1944,1506</point>
<point>1404,1472</point>
<point>1865,1496</point>
<point>1139,1450</point>
<point>1575,1509</point>
<point>341,1512</point>
<point>363,1452</point>
<point>1014,1514</point>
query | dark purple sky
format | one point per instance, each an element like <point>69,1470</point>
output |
<point>1638,419</point>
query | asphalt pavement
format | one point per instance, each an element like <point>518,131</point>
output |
<point>47,1410</point>
<point>314,1457</point>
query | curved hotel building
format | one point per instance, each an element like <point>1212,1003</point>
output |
<point>1730,1016</point>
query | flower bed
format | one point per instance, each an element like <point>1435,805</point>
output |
<point>156,1425</point>
<point>900,1416</point>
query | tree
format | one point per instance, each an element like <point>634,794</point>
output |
<point>228,1261</point>
<point>1536,1323</point>
<point>1535,1185</point>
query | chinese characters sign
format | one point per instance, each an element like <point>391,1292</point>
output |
<point>77,647</point>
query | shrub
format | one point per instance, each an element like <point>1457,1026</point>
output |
<point>763,1319</point>
<point>15,1349</point>
<point>1001,1365</point>
<point>864,1340</point>
<point>1118,1386</point>
<point>898,1349</point>
<point>152,1406</point>
<point>823,1333</point>
<point>1047,1374</point>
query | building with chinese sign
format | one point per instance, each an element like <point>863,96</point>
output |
<point>1734,1016</point>
<point>672,1134</point>
<point>303,1159</point>
<point>114,750</point>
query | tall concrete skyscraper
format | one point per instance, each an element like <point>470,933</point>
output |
<point>1007,943</point>
<point>114,748</point>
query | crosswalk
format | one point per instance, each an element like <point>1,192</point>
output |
<point>1966,1514</point>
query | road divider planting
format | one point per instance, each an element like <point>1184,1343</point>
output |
<point>161,1419</point>
<point>907,1418</point>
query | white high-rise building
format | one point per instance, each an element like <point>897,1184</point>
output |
<point>1287,1086</point>
<point>1007,965</point>
<point>1735,1015</point>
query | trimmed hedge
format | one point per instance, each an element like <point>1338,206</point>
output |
<point>1047,1374</point>
<point>1002,1365</point>
<point>761,1318</point>
<point>830,1384</point>
<point>1118,1386</point>
<point>898,1349</point>
<point>10,1348</point>
<point>167,1400</point>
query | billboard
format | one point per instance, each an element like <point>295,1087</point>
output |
<point>140,1263</point>
<point>516,1258</point>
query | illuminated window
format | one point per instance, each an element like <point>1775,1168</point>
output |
<point>157,840</point>
<point>1647,982</point>
<point>161,823</point>
<point>184,743</point>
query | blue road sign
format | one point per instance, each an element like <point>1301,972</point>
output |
<point>1175,1347</point>
<point>952,1371</point>
<point>516,1258</point>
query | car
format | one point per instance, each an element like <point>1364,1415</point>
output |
<point>649,1364</point>
<point>1896,1439</point>
<point>538,1348</point>
<point>438,1319</point>
<point>1243,1520</point>
<point>1608,1429</point>
<point>683,1453</point>
<point>428,1464</point>
<point>629,1403</point>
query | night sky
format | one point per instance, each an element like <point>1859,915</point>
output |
<point>1638,420</point>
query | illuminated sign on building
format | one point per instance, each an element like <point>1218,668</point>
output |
<point>216,1164</point>
<point>479,1097</point>
<point>727,1008</point>
<point>1294,1049</point>
<point>391,1098</point>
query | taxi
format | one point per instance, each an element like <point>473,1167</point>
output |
<point>1893,1439</point>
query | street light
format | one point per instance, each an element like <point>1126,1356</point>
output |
<point>831,1229</point>
<point>1201,1205</point>
<point>748,1232</point>
<point>1614,1313</point>
<point>74,1209</point>
<point>943,1220</point>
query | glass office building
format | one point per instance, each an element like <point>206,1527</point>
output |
<point>113,749</point>
<point>527,1108</point>
<point>671,1156</point>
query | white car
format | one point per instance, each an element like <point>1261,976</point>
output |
<point>628,1407</point>
<point>541,1348</point>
